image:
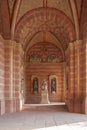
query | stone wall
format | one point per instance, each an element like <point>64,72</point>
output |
<point>12,76</point>
<point>10,81</point>
<point>2,76</point>
<point>44,60</point>
<point>44,71</point>
<point>76,92</point>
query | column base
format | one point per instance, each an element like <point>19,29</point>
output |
<point>70,105</point>
<point>2,107</point>
<point>44,97</point>
<point>75,105</point>
<point>84,106</point>
<point>18,105</point>
<point>8,106</point>
<point>12,105</point>
<point>78,105</point>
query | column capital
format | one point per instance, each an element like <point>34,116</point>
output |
<point>17,44</point>
<point>8,42</point>
<point>71,44</point>
<point>78,41</point>
<point>1,39</point>
<point>12,43</point>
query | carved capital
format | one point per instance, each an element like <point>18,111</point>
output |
<point>1,39</point>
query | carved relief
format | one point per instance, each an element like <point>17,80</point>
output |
<point>53,58</point>
<point>35,58</point>
<point>45,52</point>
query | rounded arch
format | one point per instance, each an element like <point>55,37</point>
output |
<point>42,19</point>
<point>47,49</point>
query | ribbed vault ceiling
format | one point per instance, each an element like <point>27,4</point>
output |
<point>22,20</point>
<point>45,20</point>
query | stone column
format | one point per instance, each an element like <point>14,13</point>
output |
<point>71,77</point>
<point>12,76</point>
<point>83,83</point>
<point>77,101</point>
<point>2,78</point>
<point>67,77</point>
<point>78,76</point>
<point>17,76</point>
<point>9,75</point>
<point>64,78</point>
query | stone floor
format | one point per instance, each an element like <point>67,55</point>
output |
<point>43,118</point>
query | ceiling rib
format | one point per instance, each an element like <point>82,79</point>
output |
<point>75,16</point>
<point>14,18</point>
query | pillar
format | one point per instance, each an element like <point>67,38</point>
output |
<point>71,76</point>
<point>2,74</point>
<point>12,76</point>
<point>17,76</point>
<point>77,91</point>
<point>84,76</point>
<point>78,76</point>
<point>8,76</point>
<point>64,83</point>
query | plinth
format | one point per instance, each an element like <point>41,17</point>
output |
<point>44,97</point>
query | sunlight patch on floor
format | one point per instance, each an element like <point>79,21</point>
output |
<point>72,126</point>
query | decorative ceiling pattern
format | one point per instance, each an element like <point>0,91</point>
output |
<point>46,37</point>
<point>28,5</point>
<point>62,5</point>
<point>50,20</point>
<point>13,14</point>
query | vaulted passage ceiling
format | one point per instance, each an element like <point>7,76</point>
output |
<point>45,20</point>
<point>33,21</point>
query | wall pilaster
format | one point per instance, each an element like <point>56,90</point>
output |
<point>9,75</point>
<point>78,76</point>
<point>77,101</point>
<point>71,76</point>
<point>12,75</point>
<point>17,76</point>
<point>84,76</point>
<point>2,78</point>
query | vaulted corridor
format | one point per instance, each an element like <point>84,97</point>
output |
<point>43,59</point>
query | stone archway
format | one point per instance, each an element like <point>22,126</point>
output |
<point>42,19</point>
<point>43,60</point>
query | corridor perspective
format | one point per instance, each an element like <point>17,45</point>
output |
<point>43,68</point>
<point>45,118</point>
